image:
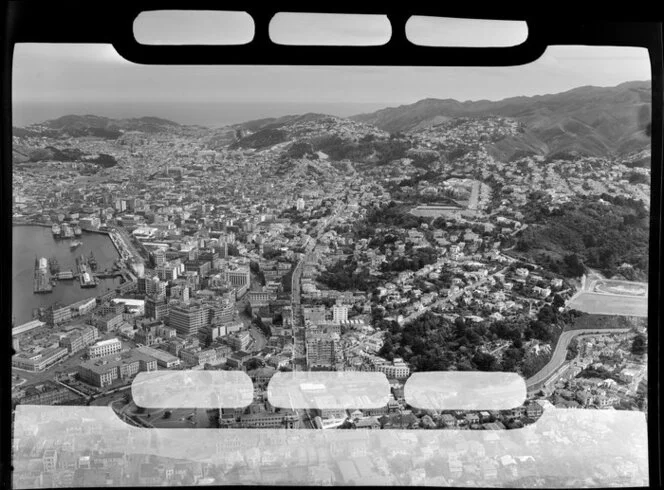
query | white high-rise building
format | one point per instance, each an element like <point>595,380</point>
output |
<point>339,313</point>
<point>104,348</point>
<point>299,204</point>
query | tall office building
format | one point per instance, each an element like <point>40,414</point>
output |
<point>159,257</point>
<point>322,348</point>
<point>156,307</point>
<point>188,319</point>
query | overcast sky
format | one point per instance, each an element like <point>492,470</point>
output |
<point>86,73</point>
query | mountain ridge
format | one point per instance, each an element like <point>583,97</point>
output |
<point>588,120</point>
<point>594,120</point>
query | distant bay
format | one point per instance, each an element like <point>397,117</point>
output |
<point>29,242</point>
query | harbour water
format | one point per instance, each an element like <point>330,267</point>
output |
<point>31,241</point>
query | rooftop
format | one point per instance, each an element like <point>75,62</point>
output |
<point>103,364</point>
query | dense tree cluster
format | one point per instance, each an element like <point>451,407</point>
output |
<point>638,178</point>
<point>599,372</point>
<point>272,253</point>
<point>414,260</point>
<point>394,215</point>
<point>639,345</point>
<point>261,139</point>
<point>587,233</point>
<point>433,343</point>
<point>344,276</point>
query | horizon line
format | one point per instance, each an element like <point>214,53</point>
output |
<point>387,106</point>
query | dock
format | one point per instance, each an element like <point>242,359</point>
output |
<point>65,275</point>
<point>86,278</point>
<point>41,283</point>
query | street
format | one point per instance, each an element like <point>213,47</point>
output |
<point>560,353</point>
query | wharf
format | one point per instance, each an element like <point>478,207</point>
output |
<point>41,283</point>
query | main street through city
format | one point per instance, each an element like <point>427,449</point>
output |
<point>299,352</point>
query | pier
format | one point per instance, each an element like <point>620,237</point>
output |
<point>86,278</point>
<point>41,282</point>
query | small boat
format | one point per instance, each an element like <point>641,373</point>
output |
<point>75,244</point>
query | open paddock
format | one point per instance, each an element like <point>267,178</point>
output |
<point>623,288</point>
<point>610,304</point>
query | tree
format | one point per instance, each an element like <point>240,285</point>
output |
<point>558,301</point>
<point>253,363</point>
<point>427,422</point>
<point>572,349</point>
<point>485,362</point>
<point>639,346</point>
<point>540,330</point>
<point>460,326</point>
<point>387,350</point>
<point>574,266</point>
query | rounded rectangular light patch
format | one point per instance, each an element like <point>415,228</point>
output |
<point>465,390</point>
<point>193,27</point>
<point>328,390</point>
<point>317,29</point>
<point>192,389</point>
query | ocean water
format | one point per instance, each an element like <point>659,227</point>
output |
<point>210,114</point>
<point>29,242</point>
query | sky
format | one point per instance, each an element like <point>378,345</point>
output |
<point>74,75</point>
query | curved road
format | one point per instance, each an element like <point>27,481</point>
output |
<point>560,353</point>
<point>259,338</point>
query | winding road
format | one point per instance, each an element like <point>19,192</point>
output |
<point>560,353</point>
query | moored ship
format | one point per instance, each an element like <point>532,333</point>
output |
<point>56,230</point>
<point>53,265</point>
<point>77,231</point>
<point>92,262</point>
